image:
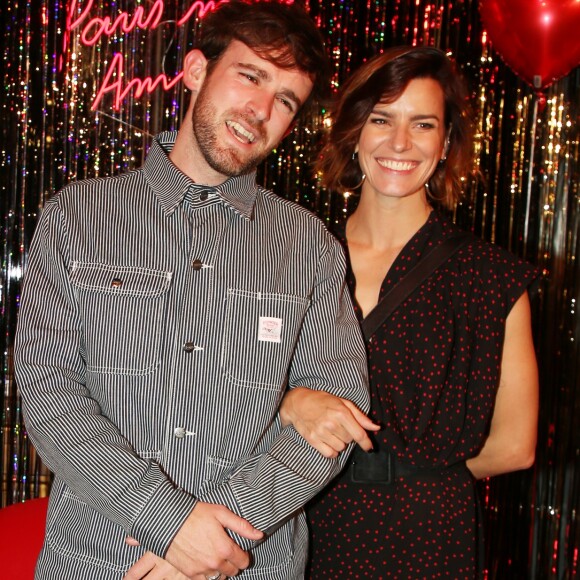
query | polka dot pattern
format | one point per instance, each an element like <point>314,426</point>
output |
<point>434,368</point>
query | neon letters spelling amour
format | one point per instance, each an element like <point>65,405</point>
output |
<point>92,29</point>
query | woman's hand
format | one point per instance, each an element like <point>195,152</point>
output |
<point>328,423</point>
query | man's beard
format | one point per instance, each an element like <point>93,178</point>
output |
<point>226,161</point>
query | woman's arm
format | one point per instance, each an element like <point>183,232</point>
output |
<point>511,442</point>
<point>327,422</point>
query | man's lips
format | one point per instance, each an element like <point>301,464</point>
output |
<point>240,132</point>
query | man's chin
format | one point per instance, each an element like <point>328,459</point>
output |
<point>234,167</point>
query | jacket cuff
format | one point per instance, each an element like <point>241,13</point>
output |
<point>162,517</point>
<point>224,495</point>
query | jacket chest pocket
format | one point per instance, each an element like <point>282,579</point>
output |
<point>260,334</point>
<point>122,310</point>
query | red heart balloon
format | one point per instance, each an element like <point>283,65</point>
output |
<point>538,39</point>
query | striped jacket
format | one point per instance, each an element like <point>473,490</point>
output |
<point>161,323</point>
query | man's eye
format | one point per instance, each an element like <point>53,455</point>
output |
<point>250,77</point>
<point>288,104</point>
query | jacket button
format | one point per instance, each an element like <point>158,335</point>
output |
<point>197,264</point>
<point>179,432</point>
<point>116,283</point>
<point>189,347</point>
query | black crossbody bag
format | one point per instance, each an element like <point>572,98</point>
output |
<point>381,466</point>
<point>420,272</point>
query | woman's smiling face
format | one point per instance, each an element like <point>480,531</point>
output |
<point>402,142</point>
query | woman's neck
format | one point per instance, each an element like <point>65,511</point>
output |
<point>376,233</point>
<point>388,224</point>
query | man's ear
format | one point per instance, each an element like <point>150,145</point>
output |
<point>194,69</point>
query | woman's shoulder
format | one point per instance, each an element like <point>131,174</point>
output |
<point>489,262</point>
<point>476,248</point>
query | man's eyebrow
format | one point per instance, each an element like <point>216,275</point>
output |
<point>265,76</point>
<point>259,72</point>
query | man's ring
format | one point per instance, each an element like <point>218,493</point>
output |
<point>214,577</point>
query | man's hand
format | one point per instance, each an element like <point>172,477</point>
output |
<point>153,567</point>
<point>202,546</point>
<point>327,422</point>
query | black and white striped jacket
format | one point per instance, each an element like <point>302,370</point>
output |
<point>161,323</point>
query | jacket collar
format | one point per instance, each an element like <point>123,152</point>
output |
<point>171,185</point>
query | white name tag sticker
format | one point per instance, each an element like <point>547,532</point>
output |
<point>269,329</point>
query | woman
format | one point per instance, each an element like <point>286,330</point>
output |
<point>453,372</point>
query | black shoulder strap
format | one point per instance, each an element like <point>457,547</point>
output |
<point>420,272</point>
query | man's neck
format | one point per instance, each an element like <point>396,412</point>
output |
<point>189,159</point>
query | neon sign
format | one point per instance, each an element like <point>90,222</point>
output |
<point>93,29</point>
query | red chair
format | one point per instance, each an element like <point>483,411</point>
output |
<point>21,537</point>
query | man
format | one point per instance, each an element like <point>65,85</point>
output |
<point>164,315</point>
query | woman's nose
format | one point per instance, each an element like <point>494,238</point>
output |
<point>400,138</point>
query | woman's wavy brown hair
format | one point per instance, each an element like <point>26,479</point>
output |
<point>383,79</point>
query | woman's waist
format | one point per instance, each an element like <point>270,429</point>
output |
<point>383,466</point>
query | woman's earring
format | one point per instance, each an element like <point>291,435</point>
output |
<point>354,158</point>
<point>359,184</point>
<point>446,147</point>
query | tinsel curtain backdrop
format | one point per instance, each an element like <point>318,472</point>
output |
<point>76,103</point>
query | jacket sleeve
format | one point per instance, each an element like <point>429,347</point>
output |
<point>329,355</point>
<point>66,425</point>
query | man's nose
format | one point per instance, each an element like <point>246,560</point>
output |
<point>261,105</point>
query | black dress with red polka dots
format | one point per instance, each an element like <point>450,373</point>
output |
<point>434,369</point>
